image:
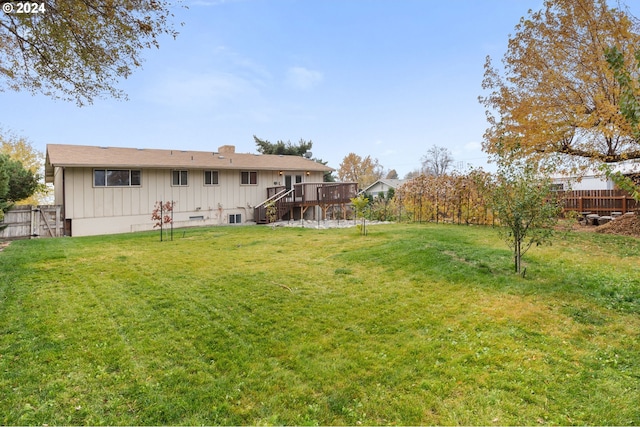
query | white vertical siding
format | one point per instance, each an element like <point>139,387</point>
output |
<point>58,188</point>
<point>129,208</point>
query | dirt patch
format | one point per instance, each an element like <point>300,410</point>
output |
<point>626,225</point>
<point>3,245</point>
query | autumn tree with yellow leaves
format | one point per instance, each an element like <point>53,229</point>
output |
<point>556,97</point>
<point>454,198</point>
<point>363,170</point>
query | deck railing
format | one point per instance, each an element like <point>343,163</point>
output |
<point>602,202</point>
<point>339,192</point>
<point>320,193</point>
<point>306,194</point>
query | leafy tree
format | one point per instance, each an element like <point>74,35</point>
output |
<point>478,186</point>
<point>360,204</point>
<point>629,108</point>
<point>382,207</point>
<point>272,213</point>
<point>437,161</point>
<point>162,214</point>
<point>415,196</point>
<point>365,171</point>
<point>461,198</point>
<point>392,174</point>
<point>391,192</point>
<point>629,90</point>
<point>22,182</point>
<point>557,98</point>
<point>16,183</point>
<point>413,174</point>
<point>77,49</point>
<point>4,188</point>
<point>328,176</point>
<point>20,149</point>
<point>527,213</point>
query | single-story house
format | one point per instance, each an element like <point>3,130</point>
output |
<point>107,190</point>
<point>382,186</point>
<point>594,179</point>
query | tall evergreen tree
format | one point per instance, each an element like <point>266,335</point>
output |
<point>282,148</point>
<point>289,149</point>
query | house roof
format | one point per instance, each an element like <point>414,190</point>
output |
<point>393,183</point>
<point>61,155</point>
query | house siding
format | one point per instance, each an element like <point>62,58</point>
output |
<point>108,210</point>
<point>378,188</point>
<point>585,183</point>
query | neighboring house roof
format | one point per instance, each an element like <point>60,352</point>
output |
<point>393,183</point>
<point>61,155</point>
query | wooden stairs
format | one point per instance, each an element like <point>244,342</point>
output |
<point>280,204</point>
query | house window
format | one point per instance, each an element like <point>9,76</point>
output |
<point>116,178</point>
<point>210,177</point>
<point>235,218</point>
<point>248,178</point>
<point>179,178</point>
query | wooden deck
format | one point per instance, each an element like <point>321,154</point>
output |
<point>602,202</point>
<point>304,195</point>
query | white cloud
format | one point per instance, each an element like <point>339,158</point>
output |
<point>470,150</point>
<point>473,145</point>
<point>183,89</point>
<point>303,78</point>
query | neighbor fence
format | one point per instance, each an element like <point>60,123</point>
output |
<point>27,221</point>
<point>602,202</point>
<point>470,203</point>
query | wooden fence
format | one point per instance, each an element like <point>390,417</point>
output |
<point>32,221</point>
<point>601,202</point>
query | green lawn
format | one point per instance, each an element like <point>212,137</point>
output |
<point>411,324</point>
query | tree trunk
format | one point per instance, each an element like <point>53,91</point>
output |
<point>517,254</point>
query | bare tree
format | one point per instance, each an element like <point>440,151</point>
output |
<point>437,161</point>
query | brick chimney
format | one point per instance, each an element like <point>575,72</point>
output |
<point>227,149</point>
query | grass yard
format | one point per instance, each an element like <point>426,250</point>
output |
<point>412,324</point>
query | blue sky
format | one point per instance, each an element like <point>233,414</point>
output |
<point>385,78</point>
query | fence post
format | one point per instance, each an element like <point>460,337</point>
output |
<point>35,221</point>
<point>624,204</point>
